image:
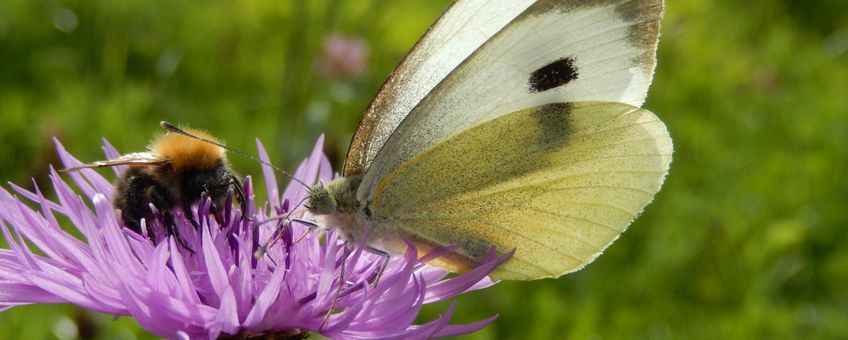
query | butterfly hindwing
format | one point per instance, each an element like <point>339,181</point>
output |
<point>557,182</point>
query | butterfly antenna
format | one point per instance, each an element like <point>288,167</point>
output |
<point>173,128</point>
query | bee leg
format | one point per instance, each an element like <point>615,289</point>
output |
<point>239,189</point>
<point>133,223</point>
<point>189,215</point>
<point>172,229</point>
<point>150,234</point>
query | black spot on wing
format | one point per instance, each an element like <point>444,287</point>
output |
<point>553,75</point>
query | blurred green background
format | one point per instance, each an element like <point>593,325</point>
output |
<point>746,240</point>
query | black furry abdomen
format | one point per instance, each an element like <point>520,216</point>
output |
<point>135,190</point>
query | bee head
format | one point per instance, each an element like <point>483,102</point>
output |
<point>217,184</point>
<point>319,201</point>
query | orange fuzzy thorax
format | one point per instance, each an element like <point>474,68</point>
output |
<point>188,153</point>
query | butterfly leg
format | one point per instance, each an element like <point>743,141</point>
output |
<point>311,225</point>
<point>345,254</point>
<point>278,234</point>
<point>263,249</point>
<point>384,262</point>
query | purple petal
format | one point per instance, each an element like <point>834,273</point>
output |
<point>227,319</point>
<point>265,300</point>
<point>181,273</point>
<point>67,290</point>
<point>461,283</point>
<point>307,171</point>
<point>455,330</point>
<point>270,176</point>
<point>13,294</point>
<point>217,273</point>
<point>88,180</point>
<point>429,329</point>
<point>111,153</point>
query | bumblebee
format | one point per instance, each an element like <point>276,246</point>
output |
<point>179,169</point>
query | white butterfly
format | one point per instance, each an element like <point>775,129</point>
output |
<point>514,124</point>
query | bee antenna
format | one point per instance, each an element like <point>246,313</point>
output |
<point>173,128</point>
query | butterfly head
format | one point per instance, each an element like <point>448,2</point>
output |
<point>319,201</point>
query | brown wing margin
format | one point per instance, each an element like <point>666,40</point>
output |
<point>362,148</point>
<point>378,121</point>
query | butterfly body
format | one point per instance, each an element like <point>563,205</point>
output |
<point>358,223</point>
<point>337,201</point>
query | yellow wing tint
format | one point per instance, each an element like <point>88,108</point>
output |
<point>557,182</point>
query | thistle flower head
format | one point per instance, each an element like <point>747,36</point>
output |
<point>221,289</point>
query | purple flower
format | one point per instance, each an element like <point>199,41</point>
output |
<point>222,289</point>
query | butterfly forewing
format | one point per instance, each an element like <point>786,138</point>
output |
<point>557,182</point>
<point>465,26</point>
<point>553,52</point>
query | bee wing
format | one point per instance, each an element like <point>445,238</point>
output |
<point>558,183</point>
<point>461,30</point>
<point>555,51</point>
<point>131,159</point>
